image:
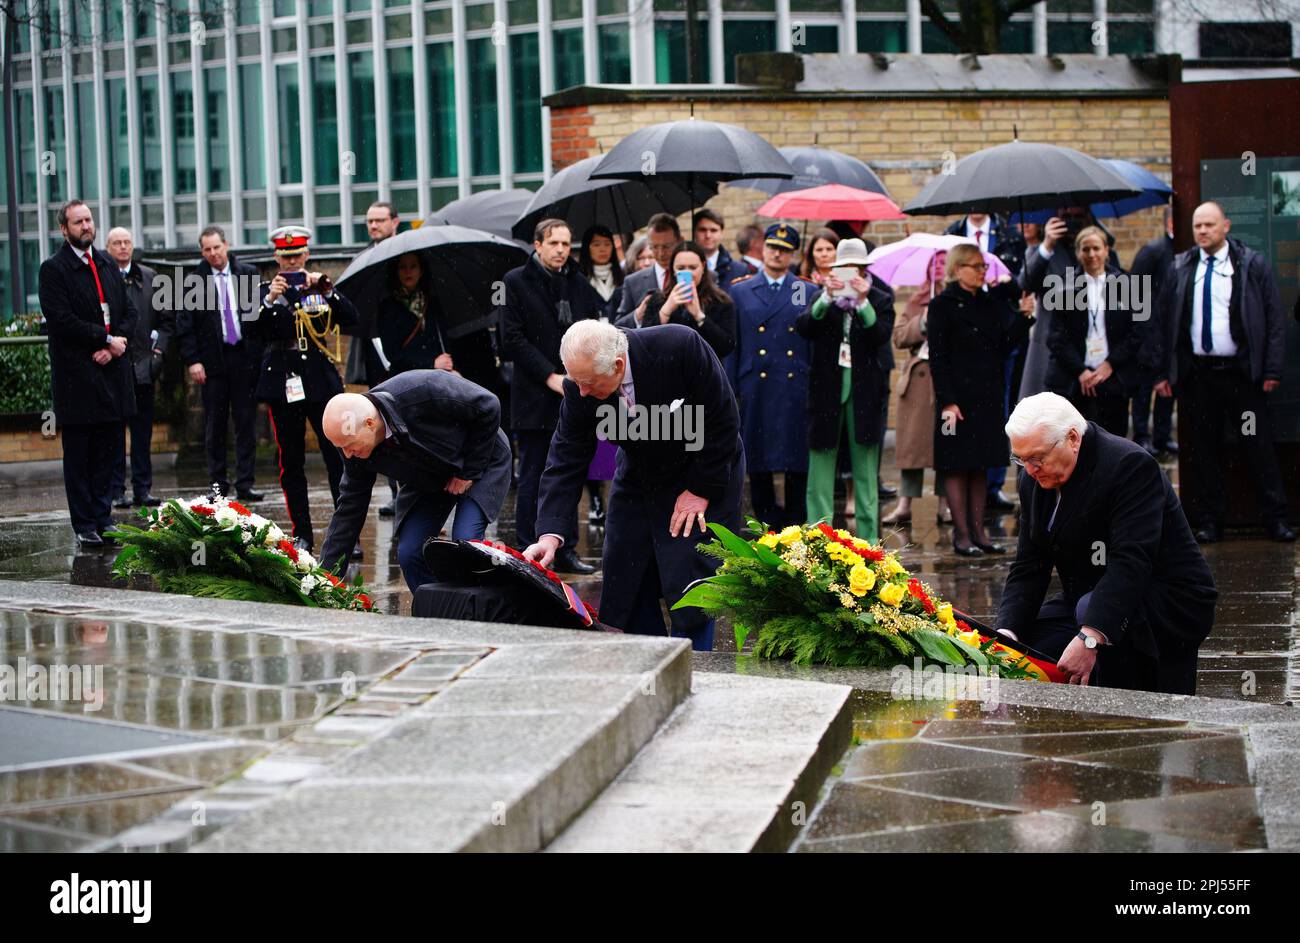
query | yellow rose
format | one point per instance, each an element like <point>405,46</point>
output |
<point>892,594</point>
<point>971,638</point>
<point>789,535</point>
<point>769,540</point>
<point>944,612</point>
<point>861,579</point>
<point>892,566</point>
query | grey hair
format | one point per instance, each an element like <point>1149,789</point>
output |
<point>1048,411</point>
<point>599,340</point>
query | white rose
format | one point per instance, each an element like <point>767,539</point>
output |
<point>308,584</point>
<point>226,515</point>
<point>274,535</point>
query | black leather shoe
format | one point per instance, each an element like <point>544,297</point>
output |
<point>885,491</point>
<point>121,501</point>
<point>249,497</point>
<point>1281,533</point>
<point>1209,534</point>
<point>147,501</point>
<point>992,548</point>
<point>90,540</point>
<point>568,561</point>
<point>358,553</point>
<point>997,503</point>
<point>966,551</point>
<point>107,540</point>
<point>388,510</point>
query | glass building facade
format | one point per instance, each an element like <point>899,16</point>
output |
<point>168,116</point>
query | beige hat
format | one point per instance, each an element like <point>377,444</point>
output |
<point>851,252</point>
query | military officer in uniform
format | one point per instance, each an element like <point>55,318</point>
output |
<point>769,372</point>
<point>299,321</point>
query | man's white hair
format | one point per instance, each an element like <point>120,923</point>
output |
<point>599,340</point>
<point>1048,411</point>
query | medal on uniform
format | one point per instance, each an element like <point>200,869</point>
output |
<point>293,391</point>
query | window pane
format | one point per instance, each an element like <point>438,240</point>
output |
<point>119,157</point>
<point>932,40</point>
<point>361,84</point>
<point>479,17</point>
<point>248,12</point>
<point>146,19</point>
<point>747,36</point>
<point>670,50</point>
<point>818,39</point>
<point>54,141</point>
<point>325,132</point>
<point>214,113</point>
<point>485,158</point>
<point>250,86</point>
<point>615,53</point>
<point>1063,37</point>
<point>523,12</point>
<point>1133,39</point>
<point>875,36</point>
<point>568,57</point>
<point>150,119</point>
<point>26,170</point>
<point>285,7</point>
<point>442,110</point>
<point>87,135</point>
<point>286,85</point>
<point>183,138</point>
<point>525,76</point>
<point>114,28</point>
<point>401,111</point>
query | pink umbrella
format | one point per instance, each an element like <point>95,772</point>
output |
<point>908,261</point>
<point>832,201</point>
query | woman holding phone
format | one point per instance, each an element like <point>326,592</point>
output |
<point>694,299</point>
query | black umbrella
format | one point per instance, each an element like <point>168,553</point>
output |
<point>493,211</point>
<point>693,149</point>
<point>464,265</point>
<point>622,205</point>
<point>818,166</point>
<point>1020,176</point>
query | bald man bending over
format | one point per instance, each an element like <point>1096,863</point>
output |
<point>439,436</point>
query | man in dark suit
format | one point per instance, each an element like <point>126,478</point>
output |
<point>707,227</point>
<point>661,394</point>
<point>663,234</point>
<point>90,319</point>
<point>993,235</point>
<point>439,436</point>
<point>1222,342</point>
<point>146,347</point>
<point>300,322</point>
<point>1153,261</point>
<point>223,358</point>
<point>543,298</point>
<point>1138,596</point>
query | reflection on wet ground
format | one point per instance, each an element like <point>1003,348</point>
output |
<point>132,720</point>
<point>950,776</point>
<point>1245,658</point>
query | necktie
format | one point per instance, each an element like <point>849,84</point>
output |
<point>979,241</point>
<point>774,287</point>
<point>99,287</point>
<point>232,333</point>
<point>1207,309</point>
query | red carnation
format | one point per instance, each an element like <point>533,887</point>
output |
<point>333,579</point>
<point>240,509</point>
<point>875,556</point>
<point>828,531</point>
<point>288,549</point>
<point>203,509</point>
<point>365,600</point>
<point>963,625</point>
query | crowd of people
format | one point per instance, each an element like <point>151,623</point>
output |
<point>810,342</point>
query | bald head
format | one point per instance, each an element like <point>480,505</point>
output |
<point>1210,227</point>
<point>352,423</point>
<point>120,245</point>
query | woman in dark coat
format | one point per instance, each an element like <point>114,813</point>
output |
<point>599,263</point>
<point>972,329</point>
<point>1095,351</point>
<point>705,308</point>
<point>848,394</point>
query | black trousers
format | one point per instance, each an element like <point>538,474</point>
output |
<point>1119,665</point>
<point>1108,410</point>
<point>1162,431</point>
<point>228,394</point>
<point>1216,394</point>
<point>762,494</point>
<point>89,451</point>
<point>534,445</point>
<point>141,426</point>
<point>289,423</point>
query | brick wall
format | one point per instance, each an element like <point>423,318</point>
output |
<point>905,140</point>
<point>31,446</point>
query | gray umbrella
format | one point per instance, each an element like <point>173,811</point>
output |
<point>465,266</point>
<point>622,205</point>
<point>694,149</point>
<point>493,211</point>
<point>1020,176</point>
<point>817,166</point>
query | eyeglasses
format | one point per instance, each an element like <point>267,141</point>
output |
<point>1034,464</point>
<point>979,265</point>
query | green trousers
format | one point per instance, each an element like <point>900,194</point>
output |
<point>865,461</point>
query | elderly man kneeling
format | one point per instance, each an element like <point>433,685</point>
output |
<point>1138,595</point>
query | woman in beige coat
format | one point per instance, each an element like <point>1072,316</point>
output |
<point>914,435</point>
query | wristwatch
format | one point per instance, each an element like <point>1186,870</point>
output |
<point>1089,641</point>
